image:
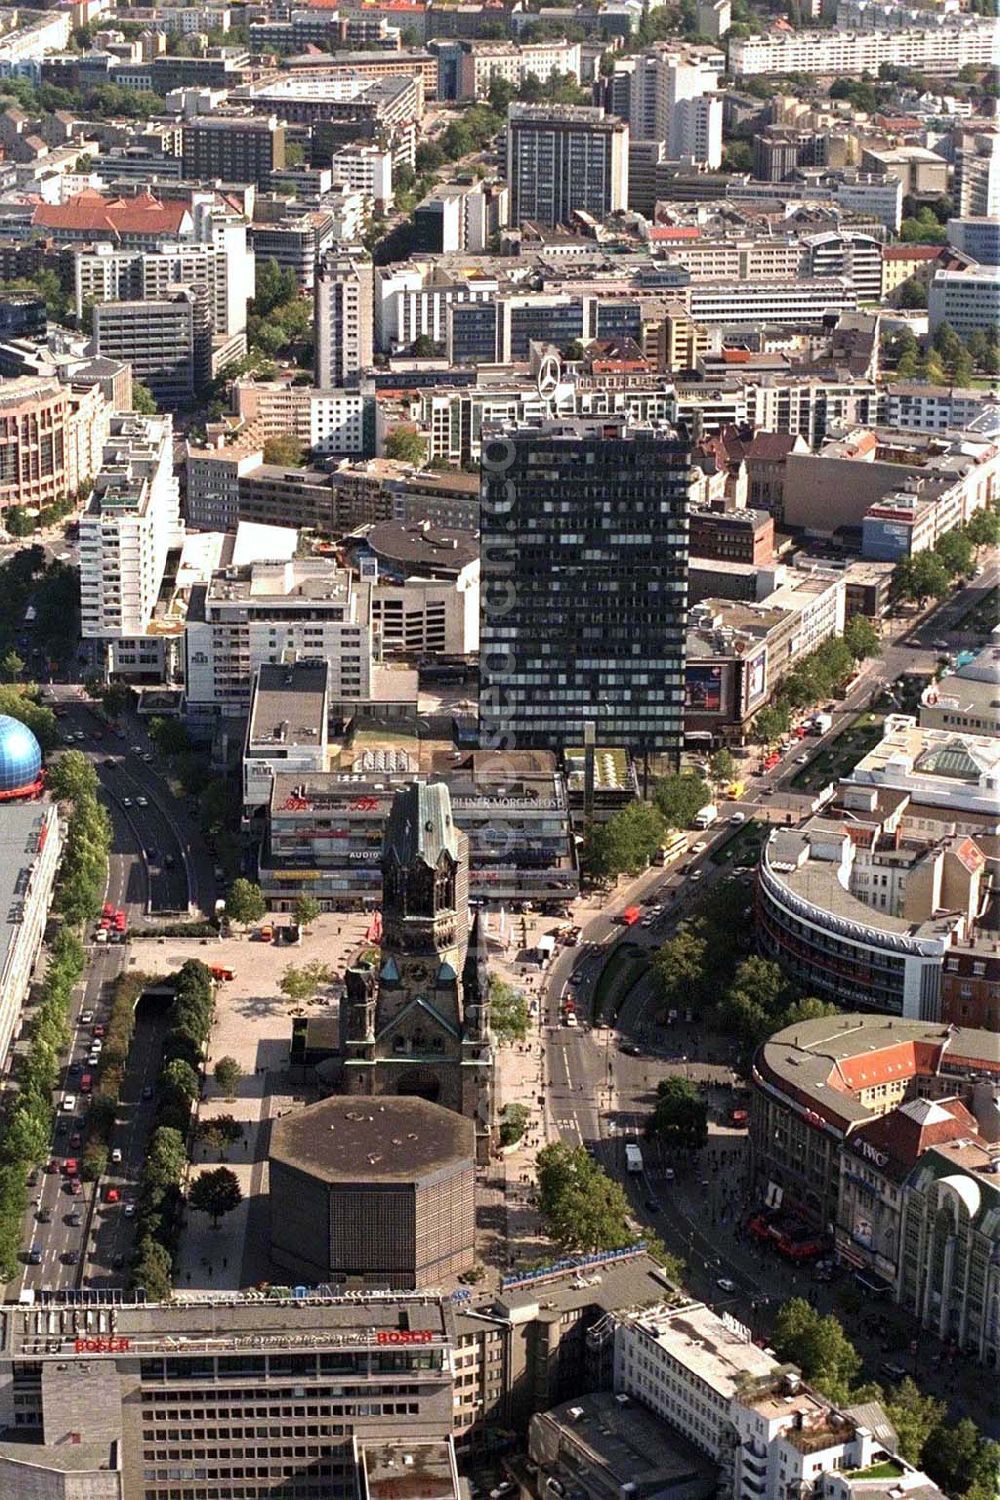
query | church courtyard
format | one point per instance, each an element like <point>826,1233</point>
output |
<point>253,1024</point>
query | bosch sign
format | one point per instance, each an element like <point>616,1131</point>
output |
<point>414,1336</point>
<point>101,1346</point>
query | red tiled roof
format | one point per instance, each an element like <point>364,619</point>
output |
<point>911,252</point>
<point>91,212</point>
<point>902,1139</point>
<point>675,232</point>
<point>770,447</point>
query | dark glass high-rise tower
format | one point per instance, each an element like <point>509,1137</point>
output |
<point>584,541</point>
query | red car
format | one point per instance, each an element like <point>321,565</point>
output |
<point>70,1166</point>
<point>112,1195</point>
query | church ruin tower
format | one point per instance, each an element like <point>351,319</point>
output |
<point>418,1022</point>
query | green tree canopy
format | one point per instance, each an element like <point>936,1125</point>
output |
<point>508,1011</point>
<point>680,967</point>
<point>680,1115</point>
<point>305,910</point>
<point>983,529</point>
<point>216,1192</point>
<point>956,552</point>
<point>583,1209</point>
<point>861,638</point>
<point>914,1417</point>
<point>818,1345</point>
<point>11,667</point>
<point>227,1074</point>
<point>771,723</point>
<point>625,843</point>
<point>681,797</point>
<point>151,1269</point>
<point>405,445</point>
<point>301,983</point>
<point>921,577</point>
<point>71,776</point>
<point>143,400</point>
<point>165,1159</point>
<point>245,904</point>
<point>285,450</point>
<point>722,767</point>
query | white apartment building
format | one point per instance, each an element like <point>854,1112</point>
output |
<point>514,62</point>
<point>976,190</point>
<point>39,33</point>
<point>30,842</point>
<point>414,298</point>
<point>428,616</point>
<point>671,99</point>
<point>801,301</point>
<point>975,42</point>
<point>104,274</point>
<point>687,1365</point>
<point>967,300</point>
<point>366,169</point>
<point>918,407</point>
<point>848,253</point>
<point>299,610</point>
<point>343,317</point>
<point>131,522</point>
<point>772,1436</point>
<point>212,489</point>
<point>866,193</point>
<point>324,421</point>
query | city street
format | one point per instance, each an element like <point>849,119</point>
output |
<point>601,1082</point>
<point>78,1238</point>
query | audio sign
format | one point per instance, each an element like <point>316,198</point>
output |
<point>405,1336</point>
<point>101,1346</point>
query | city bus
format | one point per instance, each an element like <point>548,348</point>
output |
<point>675,846</point>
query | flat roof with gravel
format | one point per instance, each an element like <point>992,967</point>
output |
<point>391,1139</point>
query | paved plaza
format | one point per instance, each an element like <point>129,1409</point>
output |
<point>253,1024</point>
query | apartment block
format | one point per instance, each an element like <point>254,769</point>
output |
<point>212,487</point>
<point>131,522</point>
<point>672,98</point>
<point>277,613</point>
<point>343,301</point>
<point>366,169</point>
<point>104,274</point>
<point>806,300</point>
<point>167,342</point>
<point>51,436</point>
<point>941,50</point>
<point>969,301</point>
<point>564,158</point>
<point>295,243</point>
<point>339,422</point>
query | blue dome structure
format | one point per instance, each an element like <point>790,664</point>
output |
<point>20,760</point>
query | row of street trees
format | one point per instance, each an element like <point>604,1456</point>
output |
<point>27,1127</point>
<point>954,1454</point>
<point>705,968</point>
<point>626,843</point>
<point>215,1192</point>
<point>934,572</point>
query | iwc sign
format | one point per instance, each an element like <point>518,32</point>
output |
<point>549,376</point>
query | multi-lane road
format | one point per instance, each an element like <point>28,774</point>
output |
<point>157,868</point>
<point>600,1083</point>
